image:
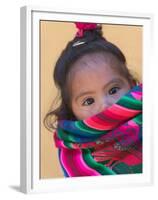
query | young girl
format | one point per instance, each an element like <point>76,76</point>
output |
<point>98,121</point>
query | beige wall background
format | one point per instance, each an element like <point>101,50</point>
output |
<point>53,38</point>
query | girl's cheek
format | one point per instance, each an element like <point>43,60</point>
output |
<point>86,112</point>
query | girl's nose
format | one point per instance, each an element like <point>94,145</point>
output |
<point>103,105</point>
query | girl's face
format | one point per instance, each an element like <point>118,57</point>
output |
<point>94,86</point>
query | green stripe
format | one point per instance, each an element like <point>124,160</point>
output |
<point>127,102</point>
<point>123,168</point>
<point>65,136</point>
<point>137,168</point>
<point>103,170</point>
<point>138,119</point>
<point>68,145</point>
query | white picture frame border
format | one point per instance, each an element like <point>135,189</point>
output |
<point>30,181</point>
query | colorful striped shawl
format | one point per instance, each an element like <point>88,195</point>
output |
<point>105,144</point>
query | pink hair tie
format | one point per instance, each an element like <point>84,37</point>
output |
<point>84,26</point>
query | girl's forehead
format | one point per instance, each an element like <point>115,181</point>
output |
<point>90,68</point>
<point>91,59</point>
<point>93,73</point>
<point>93,62</point>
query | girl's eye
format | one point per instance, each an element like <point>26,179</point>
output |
<point>88,102</point>
<point>113,90</point>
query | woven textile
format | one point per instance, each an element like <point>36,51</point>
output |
<point>108,143</point>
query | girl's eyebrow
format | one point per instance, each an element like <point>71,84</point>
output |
<point>115,80</point>
<point>83,94</point>
<point>92,92</point>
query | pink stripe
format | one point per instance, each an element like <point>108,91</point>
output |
<point>58,143</point>
<point>81,169</point>
<point>115,115</point>
<point>126,112</point>
<point>97,126</point>
<point>64,162</point>
<point>131,160</point>
<point>83,166</point>
<point>137,95</point>
<point>118,111</point>
<point>133,123</point>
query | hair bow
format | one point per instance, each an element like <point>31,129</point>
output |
<point>84,26</point>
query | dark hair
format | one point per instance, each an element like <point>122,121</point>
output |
<point>91,42</point>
